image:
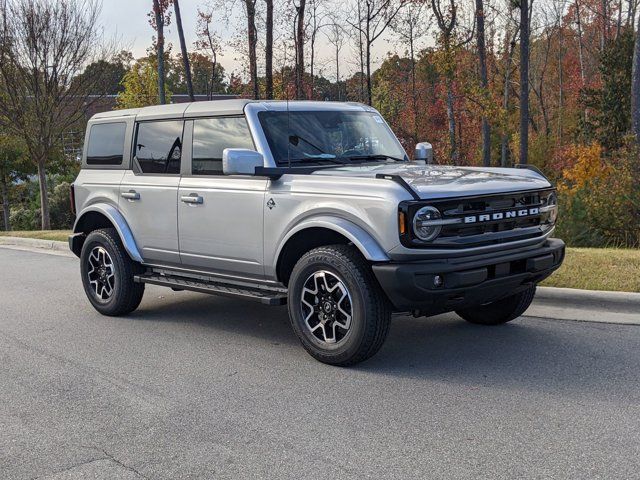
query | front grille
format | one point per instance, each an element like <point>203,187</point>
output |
<point>485,220</point>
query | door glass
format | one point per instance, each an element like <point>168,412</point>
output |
<point>211,136</point>
<point>159,146</point>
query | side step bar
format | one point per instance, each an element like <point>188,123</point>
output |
<point>259,294</point>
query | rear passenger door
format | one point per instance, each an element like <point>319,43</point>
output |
<point>148,193</point>
<point>220,217</point>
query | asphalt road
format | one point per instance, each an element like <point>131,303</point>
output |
<point>192,386</point>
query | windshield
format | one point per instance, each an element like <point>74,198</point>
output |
<point>326,137</point>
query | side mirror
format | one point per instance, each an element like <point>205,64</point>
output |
<point>423,153</point>
<point>241,161</point>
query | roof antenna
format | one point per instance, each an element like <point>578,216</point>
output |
<point>288,133</point>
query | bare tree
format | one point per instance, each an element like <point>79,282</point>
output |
<point>635,86</point>
<point>446,23</point>
<point>183,49</point>
<point>337,39</point>
<point>374,16</point>
<point>511,34</point>
<point>44,46</point>
<point>299,40</point>
<point>410,25</point>
<point>158,21</point>
<point>484,81</point>
<point>524,80</point>
<point>252,42</point>
<point>268,51</point>
<point>209,42</point>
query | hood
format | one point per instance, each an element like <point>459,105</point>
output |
<point>440,181</point>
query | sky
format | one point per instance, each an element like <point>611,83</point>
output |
<point>127,20</point>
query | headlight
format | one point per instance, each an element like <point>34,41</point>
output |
<point>421,223</point>
<point>551,208</point>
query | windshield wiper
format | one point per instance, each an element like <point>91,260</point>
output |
<point>312,161</point>
<point>373,157</point>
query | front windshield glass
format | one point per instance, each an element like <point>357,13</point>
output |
<point>327,137</point>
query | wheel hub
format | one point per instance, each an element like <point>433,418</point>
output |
<point>101,273</point>
<point>326,307</point>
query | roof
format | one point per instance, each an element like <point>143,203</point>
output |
<point>224,107</point>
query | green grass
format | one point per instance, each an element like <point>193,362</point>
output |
<point>587,268</point>
<point>598,269</point>
<point>60,235</point>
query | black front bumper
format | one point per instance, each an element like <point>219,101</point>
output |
<point>466,281</point>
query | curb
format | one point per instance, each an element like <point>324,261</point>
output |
<point>586,305</point>
<point>35,243</point>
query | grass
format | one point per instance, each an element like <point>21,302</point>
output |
<point>60,235</point>
<point>587,268</point>
<point>598,269</point>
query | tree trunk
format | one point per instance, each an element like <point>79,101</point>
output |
<point>252,38</point>
<point>524,81</point>
<point>159,52</point>
<point>368,66</point>
<point>482,58</point>
<point>183,49</point>
<point>44,195</point>
<point>4,188</point>
<point>268,52</point>
<point>300,95</point>
<point>452,122</point>
<point>635,86</point>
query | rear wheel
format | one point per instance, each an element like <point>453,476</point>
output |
<point>107,274</point>
<point>336,307</point>
<point>500,311</point>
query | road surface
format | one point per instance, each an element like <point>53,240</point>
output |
<point>192,386</point>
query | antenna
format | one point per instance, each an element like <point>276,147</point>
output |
<point>288,132</point>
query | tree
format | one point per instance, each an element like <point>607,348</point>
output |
<point>13,166</point>
<point>208,78</point>
<point>446,23</point>
<point>158,21</point>
<point>374,16</point>
<point>140,85</point>
<point>208,41</point>
<point>268,51</point>
<point>44,46</point>
<point>299,40</point>
<point>410,26</point>
<point>635,86</point>
<point>109,74</point>
<point>524,80</point>
<point>336,38</point>
<point>183,49</point>
<point>484,82</point>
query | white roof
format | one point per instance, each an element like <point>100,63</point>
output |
<point>224,107</point>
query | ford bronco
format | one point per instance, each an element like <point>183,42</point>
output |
<point>311,204</point>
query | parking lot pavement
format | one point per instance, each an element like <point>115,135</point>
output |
<point>192,386</point>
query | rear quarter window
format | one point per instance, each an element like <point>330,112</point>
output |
<point>106,144</point>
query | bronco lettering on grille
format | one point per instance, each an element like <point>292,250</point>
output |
<point>488,217</point>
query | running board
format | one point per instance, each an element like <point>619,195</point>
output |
<point>259,294</point>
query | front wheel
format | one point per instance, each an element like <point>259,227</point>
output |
<point>500,311</point>
<point>336,307</point>
<point>107,274</point>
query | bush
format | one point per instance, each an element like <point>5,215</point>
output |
<point>600,199</point>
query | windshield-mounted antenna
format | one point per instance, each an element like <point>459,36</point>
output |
<point>288,133</point>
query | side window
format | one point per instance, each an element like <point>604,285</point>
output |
<point>158,146</point>
<point>211,136</point>
<point>106,143</point>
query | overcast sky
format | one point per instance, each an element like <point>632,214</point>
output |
<point>127,19</point>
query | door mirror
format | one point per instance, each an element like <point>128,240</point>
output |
<point>241,161</point>
<point>423,153</point>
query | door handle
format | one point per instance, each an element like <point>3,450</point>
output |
<point>130,195</point>
<point>193,199</point>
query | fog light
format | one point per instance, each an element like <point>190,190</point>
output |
<point>438,281</point>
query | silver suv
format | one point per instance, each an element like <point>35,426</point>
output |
<point>311,204</point>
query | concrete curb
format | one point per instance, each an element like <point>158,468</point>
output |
<point>35,243</point>
<point>550,302</point>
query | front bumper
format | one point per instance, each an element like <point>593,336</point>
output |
<point>467,281</point>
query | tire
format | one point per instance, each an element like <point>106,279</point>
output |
<point>336,283</point>
<point>107,274</point>
<point>500,311</point>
